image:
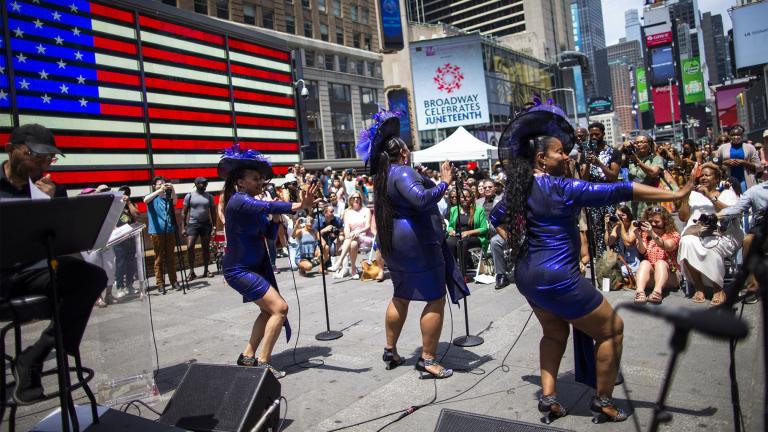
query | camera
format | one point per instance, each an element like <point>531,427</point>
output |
<point>629,150</point>
<point>711,222</point>
<point>636,224</point>
<point>613,218</point>
<point>335,230</point>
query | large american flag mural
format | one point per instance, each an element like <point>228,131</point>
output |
<point>129,93</point>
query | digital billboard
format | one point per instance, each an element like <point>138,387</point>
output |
<point>662,65</point>
<point>642,89</point>
<point>600,105</point>
<point>693,80</point>
<point>398,101</point>
<point>662,110</point>
<point>658,39</point>
<point>750,34</point>
<point>391,25</point>
<point>449,83</point>
<point>727,108</point>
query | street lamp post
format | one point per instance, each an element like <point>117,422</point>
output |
<point>573,97</point>
<point>672,106</point>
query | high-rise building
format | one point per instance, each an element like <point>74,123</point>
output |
<point>588,16</point>
<point>632,25</point>
<point>623,57</point>
<point>715,47</point>
<point>611,122</point>
<point>540,28</point>
<point>337,43</point>
<point>687,12</point>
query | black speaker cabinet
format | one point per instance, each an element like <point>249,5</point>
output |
<point>223,398</point>
<point>459,421</point>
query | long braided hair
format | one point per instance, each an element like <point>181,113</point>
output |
<point>382,206</point>
<point>519,172</point>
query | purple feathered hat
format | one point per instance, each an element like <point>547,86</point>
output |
<point>385,124</point>
<point>540,119</point>
<point>234,157</point>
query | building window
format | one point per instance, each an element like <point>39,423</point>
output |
<point>353,12</point>
<point>308,29</point>
<point>201,7</point>
<point>324,32</point>
<point>370,68</point>
<point>367,42</point>
<point>249,14</point>
<point>339,36</point>
<point>305,4</point>
<point>377,71</point>
<point>267,18</point>
<point>313,149</point>
<point>368,96</point>
<point>222,9</point>
<point>360,67</point>
<point>336,5</point>
<point>290,24</point>
<point>364,15</point>
<point>329,62</point>
<point>343,64</point>
<point>170,2</point>
<point>356,39</point>
<point>309,58</point>
<point>341,120</point>
<point>321,5</point>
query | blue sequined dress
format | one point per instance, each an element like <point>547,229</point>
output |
<point>420,264</point>
<point>548,273</point>
<point>246,265</point>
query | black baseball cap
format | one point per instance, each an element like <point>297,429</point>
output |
<point>37,137</point>
<point>199,180</point>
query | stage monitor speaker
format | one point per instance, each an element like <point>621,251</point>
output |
<point>459,421</point>
<point>223,398</point>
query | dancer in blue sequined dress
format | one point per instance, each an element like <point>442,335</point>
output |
<point>412,240</point>
<point>542,210</point>
<point>246,266</point>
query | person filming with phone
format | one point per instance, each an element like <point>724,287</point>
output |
<point>645,166</point>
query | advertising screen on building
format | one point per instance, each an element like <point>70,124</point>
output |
<point>449,84</point>
<point>600,105</point>
<point>662,65</point>
<point>693,80</point>
<point>750,34</point>
<point>662,109</point>
<point>642,89</point>
<point>391,25</point>
<point>658,39</point>
<point>727,105</point>
<point>398,101</point>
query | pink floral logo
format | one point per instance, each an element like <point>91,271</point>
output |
<point>448,78</point>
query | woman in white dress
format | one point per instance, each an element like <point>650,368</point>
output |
<point>701,257</point>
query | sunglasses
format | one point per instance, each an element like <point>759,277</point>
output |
<point>42,157</point>
<point>657,209</point>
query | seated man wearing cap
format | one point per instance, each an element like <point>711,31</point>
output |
<point>198,220</point>
<point>31,151</point>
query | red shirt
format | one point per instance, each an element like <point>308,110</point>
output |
<point>654,252</point>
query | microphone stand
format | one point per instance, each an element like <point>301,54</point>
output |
<point>328,334</point>
<point>177,239</point>
<point>677,342</point>
<point>590,239</point>
<point>467,340</point>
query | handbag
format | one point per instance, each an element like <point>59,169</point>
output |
<point>371,268</point>
<point>609,266</point>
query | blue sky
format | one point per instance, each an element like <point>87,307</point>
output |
<point>613,12</point>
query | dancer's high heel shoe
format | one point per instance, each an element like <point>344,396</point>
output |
<point>423,364</point>
<point>605,409</point>
<point>389,358</point>
<point>551,408</point>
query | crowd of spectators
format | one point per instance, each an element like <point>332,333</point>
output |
<point>660,246</point>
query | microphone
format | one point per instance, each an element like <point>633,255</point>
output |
<point>717,323</point>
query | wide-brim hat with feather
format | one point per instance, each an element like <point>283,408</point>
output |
<point>234,157</point>
<point>369,145</point>
<point>541,119</point>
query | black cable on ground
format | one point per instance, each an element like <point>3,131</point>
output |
<point>319,362</point>
<point>285,416</point>
<point>413,408</point>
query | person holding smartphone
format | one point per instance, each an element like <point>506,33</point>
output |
<point>658,241</point>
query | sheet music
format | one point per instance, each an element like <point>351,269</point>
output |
<point>36,193</point>
<point>110,221</point>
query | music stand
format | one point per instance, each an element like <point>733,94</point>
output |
<point>34,230</point>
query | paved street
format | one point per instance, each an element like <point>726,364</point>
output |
<point>349,384</point>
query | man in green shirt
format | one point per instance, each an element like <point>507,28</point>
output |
<point>645,166</point>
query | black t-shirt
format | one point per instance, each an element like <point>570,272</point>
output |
<point>321,223</point>
<point>8,190</point>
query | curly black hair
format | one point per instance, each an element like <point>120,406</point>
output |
<point>519,171</point>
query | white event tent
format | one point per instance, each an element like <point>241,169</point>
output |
<point>460,146</point>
